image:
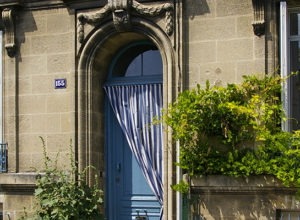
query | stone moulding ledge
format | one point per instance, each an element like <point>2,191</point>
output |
<point>120,10</point>
<point>18,182</point>
<point>220,184</point>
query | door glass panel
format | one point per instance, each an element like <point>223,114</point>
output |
<point>295,84</point>
<point>138,61</point>
<point>135,67</point>
<point>295,24</point>
<point>152,63</point>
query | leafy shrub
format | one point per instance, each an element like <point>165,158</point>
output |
<point>235,131</point>
<point>65,195</point>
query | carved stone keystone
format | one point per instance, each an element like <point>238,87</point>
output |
<point>120,10</point>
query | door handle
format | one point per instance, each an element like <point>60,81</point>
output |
<point>119,167</point>
<point>144,217</point>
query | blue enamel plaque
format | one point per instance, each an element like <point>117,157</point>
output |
<point>60,83</point>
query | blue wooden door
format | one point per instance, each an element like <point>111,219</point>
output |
<point>128,194</point>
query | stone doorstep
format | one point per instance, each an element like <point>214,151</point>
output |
<point>17,182</point>
<point>216,184</point>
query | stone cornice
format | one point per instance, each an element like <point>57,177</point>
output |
<point>17,182</point>
<point>218,184</point>
<point>10,3</point>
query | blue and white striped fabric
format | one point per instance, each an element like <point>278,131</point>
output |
<point>135,106</point>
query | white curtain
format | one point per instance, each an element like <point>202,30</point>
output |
<point>135,107</point>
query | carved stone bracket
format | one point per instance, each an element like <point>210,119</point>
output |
<point>120,10</point>
<point>259,17</point>
<point>8,18</point>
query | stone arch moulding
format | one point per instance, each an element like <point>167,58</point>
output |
<point>93,62</point>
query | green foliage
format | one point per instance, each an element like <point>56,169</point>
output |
<point>235,131</point>
<point>63,195</point>
<point>182,187</point>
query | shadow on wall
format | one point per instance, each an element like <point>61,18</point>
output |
<point>196,7</point>
<point>191,9</point>
<point>205,207</point>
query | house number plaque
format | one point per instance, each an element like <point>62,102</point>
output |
<point>60,83</point>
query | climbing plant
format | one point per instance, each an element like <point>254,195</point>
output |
<point>235,130</point>
<point>64,194</point>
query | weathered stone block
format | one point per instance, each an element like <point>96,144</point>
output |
<point>17,202</point>
<point>259,47</point>
<point>244,26</point>
<point>59,23</point>
<point>29,143</point>
<point>250,67</point>
<point>24,44</point>
<point>25,85</point>
<point>32,104</point>
<point>39,123</point>
<point>29,65</point>
<point>60,43</point>
<point>233,7</point>
<point>212,29</point>
<point>25,124</point>
<point>53,123</point>
<point>25,162</point>
<point>39,44</point>
<point>59,63</point>
<point>59,103</point>
<point>32,24</point>
<point>58,142</point>
<point>56,43</point>
<point>235,50</point>
<point>218,73</point>
<point>203,52</point>
<point>42,84</point>
<point>199,9</point>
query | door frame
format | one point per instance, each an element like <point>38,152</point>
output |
<point>93,58</point>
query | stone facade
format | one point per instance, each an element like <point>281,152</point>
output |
<point>199,40</point>
<point>223,197</point>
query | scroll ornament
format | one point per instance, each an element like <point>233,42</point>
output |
<point>8,18</point>
<point>120,10</point>
<point>259,17</point>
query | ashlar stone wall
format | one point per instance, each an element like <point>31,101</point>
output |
<point>46,52</point>
<point>220,45</point>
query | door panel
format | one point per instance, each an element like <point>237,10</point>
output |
<point>128,194</point>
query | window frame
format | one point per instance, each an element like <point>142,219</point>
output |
<point>129,80</point>
<point>285,61</point>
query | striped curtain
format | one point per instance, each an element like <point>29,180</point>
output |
<point>135,107</point>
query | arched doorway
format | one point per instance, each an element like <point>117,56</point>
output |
<point>94,58</point>
<point>133,143</point>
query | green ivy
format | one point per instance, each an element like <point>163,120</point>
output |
<point>235,131</point>
<point>65,195</point>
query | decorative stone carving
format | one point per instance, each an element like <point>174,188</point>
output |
<point>259,17</point>
<point>120,10</point>
<point>154,11</point>
<point>8,18</point>
<point>121,15</point>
